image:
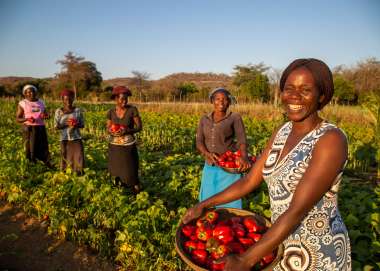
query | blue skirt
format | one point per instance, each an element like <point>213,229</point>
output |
<point>215,180</point>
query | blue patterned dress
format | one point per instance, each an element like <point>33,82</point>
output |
<point>321,240</point>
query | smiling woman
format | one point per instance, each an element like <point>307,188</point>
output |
<point>215,135</point>
<point>31,113</point>
<point>303,173</point>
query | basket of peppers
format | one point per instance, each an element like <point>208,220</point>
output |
<point>221,232</point>
<point>229,161</point>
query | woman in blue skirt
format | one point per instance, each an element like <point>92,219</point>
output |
<point>217,132</point>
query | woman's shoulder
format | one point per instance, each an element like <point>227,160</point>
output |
<point>22,103</point>
<point>332,133</point>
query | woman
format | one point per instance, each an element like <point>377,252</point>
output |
<point>31,112</point>
<point>215,134</point>
<point>303,172</point>
<point>123,122</point>
<point>69,119</point>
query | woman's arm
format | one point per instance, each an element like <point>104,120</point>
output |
<point>211,158</point>
<point>20,118</point>
<point>325,165</point>
<point>57,120</point>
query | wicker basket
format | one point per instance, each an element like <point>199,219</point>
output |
<point>225,213</point>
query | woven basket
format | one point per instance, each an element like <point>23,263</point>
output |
<point>225,213</point>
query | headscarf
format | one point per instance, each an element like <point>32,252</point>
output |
<point>26,87</point>
<point>67,92</point>
<point>119,90</point>
<point>230,97</point>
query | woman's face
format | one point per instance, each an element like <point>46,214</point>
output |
<point>67,101</point>
<point>300,95</point>
<point>30,94</point>
<point>220,102</point>
<point>121,100</point>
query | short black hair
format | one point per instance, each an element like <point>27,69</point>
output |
<point>321,73</point>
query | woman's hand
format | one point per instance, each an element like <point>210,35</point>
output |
<point>211,158</point>
<point>193,213</point>
<point>243,163</point>
<point>234,262</point>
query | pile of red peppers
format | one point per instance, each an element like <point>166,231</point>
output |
<point>210,238</point>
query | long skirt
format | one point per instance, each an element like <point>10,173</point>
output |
<point>72,155</point>
<point>36,143</point>
<point>214,180</point>
<point>123,162</point>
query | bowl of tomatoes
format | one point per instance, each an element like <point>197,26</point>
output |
<point>228,161</point>
<point>220,232</point>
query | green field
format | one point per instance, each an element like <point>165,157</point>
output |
<point>138,232</point>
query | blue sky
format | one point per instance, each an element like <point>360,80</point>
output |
<point>164,37</point>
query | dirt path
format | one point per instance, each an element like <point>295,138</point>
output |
<point>25,245</point>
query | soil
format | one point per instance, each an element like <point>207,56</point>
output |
<point>25,245</point>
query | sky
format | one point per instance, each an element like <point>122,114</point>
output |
<point>165,37</point>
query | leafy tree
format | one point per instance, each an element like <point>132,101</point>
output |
<point>252,82</point>
<point>184,89</point>
<point>344,91</point>
<point>78,74</point>
<point>140,81</point>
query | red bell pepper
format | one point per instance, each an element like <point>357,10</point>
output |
<point>191,245</point>
<point>188,230</point>
<point>239,230</point>
<point>251,225</point>
<point>268,258</point>
<point>254,236</point>
<point>211,216</point>
<point>213,266</point>
<point>236,248</point>
<point>223,233</point>
<point>203,234</point>
<point>199,256</point>
<point>246,242</point>
<point>235,220</point>
<point>202,223</point>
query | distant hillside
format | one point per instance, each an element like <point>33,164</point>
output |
<point>10,80</point>
<point>201,80</point>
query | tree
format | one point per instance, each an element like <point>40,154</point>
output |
<point>252,82</point>
<point>78,74</point>
<point>184,89</point>
<point>140,80</point>
<point>344,91</point>
<point>274,79</point>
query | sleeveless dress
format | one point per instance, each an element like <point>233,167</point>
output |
<point>321,240</point>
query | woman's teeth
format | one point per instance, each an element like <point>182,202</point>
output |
<point>295,107</point>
